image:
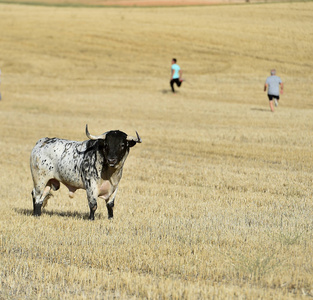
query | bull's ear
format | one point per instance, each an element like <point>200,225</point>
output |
<point>131,141</point>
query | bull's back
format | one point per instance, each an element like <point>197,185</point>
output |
<point>57,158</point>
<point>47,150</point>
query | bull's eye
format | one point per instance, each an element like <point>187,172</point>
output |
<point>122,146</point>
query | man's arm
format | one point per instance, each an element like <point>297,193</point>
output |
<point>265,86</point>
<point>281,88</point>
<point>173,71</point>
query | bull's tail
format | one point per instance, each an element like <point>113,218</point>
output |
<point>45,200</point>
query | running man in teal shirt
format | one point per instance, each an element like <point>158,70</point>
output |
<point>176,73</point>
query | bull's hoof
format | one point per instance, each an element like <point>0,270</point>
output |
<point>92,212</point>
<point>110,212</point>
<point>37,210</point>
<point>110,206</point>
<point>92,215</point>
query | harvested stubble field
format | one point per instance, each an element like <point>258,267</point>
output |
<point>217,200</point>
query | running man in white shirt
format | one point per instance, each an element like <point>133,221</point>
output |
<point>272,83</point>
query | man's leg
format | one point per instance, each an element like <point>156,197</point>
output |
<point>271,105</point>
<point>172,85</point>
<point>276,99</point>
<point>270,98</point>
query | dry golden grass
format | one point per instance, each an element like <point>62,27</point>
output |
<point>217,200</point>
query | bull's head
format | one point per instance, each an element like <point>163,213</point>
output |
<point>116,145</point>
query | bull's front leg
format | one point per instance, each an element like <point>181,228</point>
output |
<point>92,202</point>
<point>92,195</point>
<point>110,204</point>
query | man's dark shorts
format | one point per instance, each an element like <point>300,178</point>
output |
<point>270,97</point>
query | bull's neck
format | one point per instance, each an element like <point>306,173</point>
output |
<point>113,174</point>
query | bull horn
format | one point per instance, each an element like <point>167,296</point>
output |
<point>94,137</point>
<point>137,139</point>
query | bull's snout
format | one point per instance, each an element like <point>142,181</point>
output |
<point>112,161</point>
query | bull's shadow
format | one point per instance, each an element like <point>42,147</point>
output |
<point>64,214</point>
<point>260,109</point>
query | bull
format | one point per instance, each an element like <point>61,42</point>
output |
<point>95,165</point>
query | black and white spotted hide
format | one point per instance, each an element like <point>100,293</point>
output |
<point>95,165</point>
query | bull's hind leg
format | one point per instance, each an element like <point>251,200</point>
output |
<point>41,195</point>
<point>38,199</point>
